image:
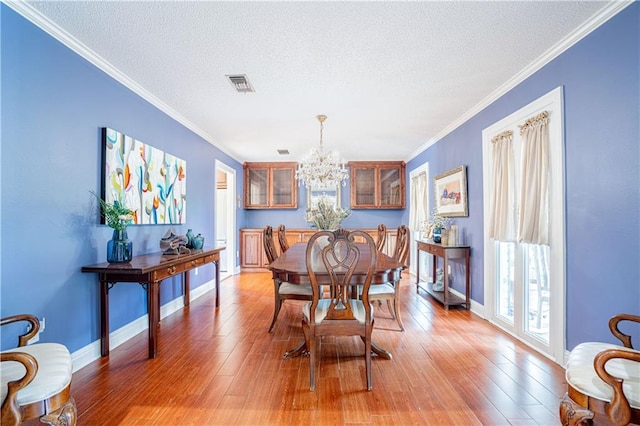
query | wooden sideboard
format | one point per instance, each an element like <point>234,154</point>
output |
<point>445,253</point>
<point>149,270</point>
<point>253,258</point>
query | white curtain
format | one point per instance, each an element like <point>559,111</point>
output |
<point>418,201</point>
<point>533,226</point>
<point>502,186</point>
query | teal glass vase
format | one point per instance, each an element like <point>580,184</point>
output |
<point>190,238</point>
<point>437,235</point>
<point>119,248</point>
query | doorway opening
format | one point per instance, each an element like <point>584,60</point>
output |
<point>225,217</point>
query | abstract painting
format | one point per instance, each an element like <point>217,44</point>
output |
<point>147,180</point>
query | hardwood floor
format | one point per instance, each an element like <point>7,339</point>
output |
<point>221,366</point>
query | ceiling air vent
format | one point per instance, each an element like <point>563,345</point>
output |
<point>241,83</point>
<point>283,151</point>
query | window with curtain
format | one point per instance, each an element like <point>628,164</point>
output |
<point>502,197</point>
<point>418,201</point>
<point>533,224</point>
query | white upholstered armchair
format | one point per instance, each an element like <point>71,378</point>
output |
<point>603,381</point>
<point>36,380</point>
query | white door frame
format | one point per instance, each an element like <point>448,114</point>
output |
<point>230,213</point>
<point>552,101</point>
<point>413,252</point>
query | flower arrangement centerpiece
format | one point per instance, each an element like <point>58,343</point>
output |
<point>325,216</point>
<point>118,217</point>
<point>435,225</point>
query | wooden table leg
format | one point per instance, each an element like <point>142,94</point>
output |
<point>446,282</point>
<point>186,290</point>
<point>382,353</point>
<point>300,349</point>
<point>418,268</point>
<point>217,263</point>
<point>104,318</point>
<point>467,286</point>
<point>153,299</point>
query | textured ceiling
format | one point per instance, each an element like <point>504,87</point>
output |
<point>390,76</point>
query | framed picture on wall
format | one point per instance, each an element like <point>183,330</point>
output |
<point>148,181</point>
<point>450,189</point>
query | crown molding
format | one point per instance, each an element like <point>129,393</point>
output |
<point>38,19</point>
<point>602,16</point>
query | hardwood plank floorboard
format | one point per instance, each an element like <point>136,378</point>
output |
<point>220,366</point>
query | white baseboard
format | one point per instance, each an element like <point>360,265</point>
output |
<point>91,352</point>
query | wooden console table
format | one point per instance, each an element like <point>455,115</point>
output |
<point>149,270</point>
<point>445,252</point>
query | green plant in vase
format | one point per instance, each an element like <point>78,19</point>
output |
<point>117,217</point>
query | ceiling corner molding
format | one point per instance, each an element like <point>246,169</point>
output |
<point>602,16</point>
<point>35,17</point>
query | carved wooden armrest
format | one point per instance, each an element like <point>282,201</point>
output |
<point>613,326</point>
<point>619,410</point>
<point>11,413</point>
<point>33,330</point>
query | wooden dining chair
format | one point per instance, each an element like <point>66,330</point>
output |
<point>282,289</point>
<point>391,291</point>
<point>382,237</point>
<point>282,239</point>
<point>269,244</point>
<point>36,380</point>
<point>343,313</point>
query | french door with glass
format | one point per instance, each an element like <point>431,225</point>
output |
<point>524,282</point>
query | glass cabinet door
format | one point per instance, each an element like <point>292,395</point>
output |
<point>283,187</point>
<point>258,187</point>
<point>391,187</point>
<point>365,183</point>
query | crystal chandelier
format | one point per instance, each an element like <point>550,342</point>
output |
<point>320,169</point>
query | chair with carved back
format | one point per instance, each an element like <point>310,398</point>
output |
<point>36,379</point>
<point>391,291</point>
<point>282,289</point>
<point>342,313</point>
<point>282,239</point>
<point>603,381</point>
<point>382,237</point>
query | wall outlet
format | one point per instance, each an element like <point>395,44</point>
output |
<point>36,338</point>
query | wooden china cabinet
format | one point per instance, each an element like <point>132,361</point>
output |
<point>270,185</point>
<point>377,184</point>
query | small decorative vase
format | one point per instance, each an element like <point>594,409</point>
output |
<point>190,238</point>
<point>437,235</point>
<point>119,248</point>
<point>198,242</point>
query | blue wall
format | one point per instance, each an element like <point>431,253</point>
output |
<point>600,75</point>
<point>53,105</point>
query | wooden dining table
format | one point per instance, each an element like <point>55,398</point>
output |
<point>291,267</point>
